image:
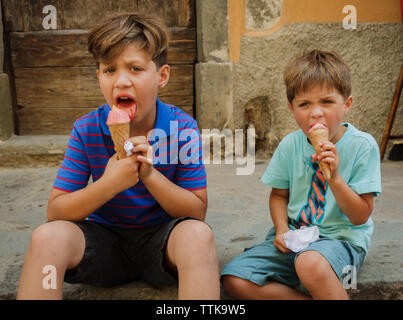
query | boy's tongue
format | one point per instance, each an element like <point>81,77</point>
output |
<point>129,106</point>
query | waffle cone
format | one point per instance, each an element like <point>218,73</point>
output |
<point>120,133</point>
<point>316,137</point>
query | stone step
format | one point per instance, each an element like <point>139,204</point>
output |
<point>32,151</point>
<point>239,219</point>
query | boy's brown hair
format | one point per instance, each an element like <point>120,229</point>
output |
<point>317,68</point>
<point>111,36</point>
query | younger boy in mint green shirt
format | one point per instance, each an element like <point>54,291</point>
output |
<point>359,167</point>
<point>318,91</point>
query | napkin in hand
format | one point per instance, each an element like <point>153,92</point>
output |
<point>299,239</point>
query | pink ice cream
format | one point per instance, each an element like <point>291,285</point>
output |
<point>317,126</point>
<point>117,116</point>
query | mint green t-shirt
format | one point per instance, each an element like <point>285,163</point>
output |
<point>311,201</point>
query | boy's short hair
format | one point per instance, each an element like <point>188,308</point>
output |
<point>111,36</point>
<point>317,68</point>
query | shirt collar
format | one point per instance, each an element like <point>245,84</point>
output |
<point>162,121</point>
<point>163,117</point>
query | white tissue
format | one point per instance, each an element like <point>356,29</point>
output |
<point>128,146</point>
<point>299,239</point>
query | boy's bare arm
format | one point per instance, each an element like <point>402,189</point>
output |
<point>75,206</point>
<point>278,203</point>
<point>356,207</point>
<point>175,200</point>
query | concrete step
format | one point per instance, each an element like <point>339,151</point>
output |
<point>238,214</point>
<point>32,151</point>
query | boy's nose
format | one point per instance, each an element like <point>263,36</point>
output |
<point>122,80</point>
<point>316,111</point>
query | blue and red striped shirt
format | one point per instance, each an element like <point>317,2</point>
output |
<point>177,155</point>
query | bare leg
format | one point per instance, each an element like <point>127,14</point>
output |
<point>60,244</point>
<point>244,289</point>
<point>191,250</point>
<point>318,277</point>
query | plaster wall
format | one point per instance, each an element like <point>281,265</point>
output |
<point>264,35</point>
<point>373,51</point>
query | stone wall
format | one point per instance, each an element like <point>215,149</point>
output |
<point>250,89</point>
<point>214,88</point>
<point>374,53</point>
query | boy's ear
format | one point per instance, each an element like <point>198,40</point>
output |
<point>348,103</point>
<point>290,106</point>
<point>98,74</point>
<point>164,71</point>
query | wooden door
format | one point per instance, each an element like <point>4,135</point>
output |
<point>53,73</point>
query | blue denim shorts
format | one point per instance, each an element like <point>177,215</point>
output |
<point>263,263</point>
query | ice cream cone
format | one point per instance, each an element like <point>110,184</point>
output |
<point>119,125</point>
<point>317,134</point>
<point>120,133</point>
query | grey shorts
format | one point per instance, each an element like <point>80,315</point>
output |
<point>116,255</point>
<point>263,263</point>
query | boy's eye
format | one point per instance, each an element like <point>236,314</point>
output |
<point>136,69</point>
<point>328,101</point>
<point>303,104</point>
<point>108,70</point>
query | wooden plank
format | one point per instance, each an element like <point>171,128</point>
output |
<point>57,87</point>
<point>78,14</point>
<point>187,13</point>
<point>34,17</point>
<point>78,87</point>
<point>175,13</point>
<point>50,48</point>
<point>177,100</point>
<point>182,46</point>
<point>125,6</point>
<point>26,15</point>
<point>48,120</point>
<point>55,76</point>
<point>56,120</point>
<point>54,48</point>
<point>13,17</point>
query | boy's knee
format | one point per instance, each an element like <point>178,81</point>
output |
<point>42,236</point>
<point>311,265</point>
<point>191,229</point>
<point>233,285</point>
<point>192,243</point>
<point>229,282</point>
<point>50,235</point>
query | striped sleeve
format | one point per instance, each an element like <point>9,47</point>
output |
<point>74,172</point>
<point>191,173</point>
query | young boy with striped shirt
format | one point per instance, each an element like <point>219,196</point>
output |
<point>142,217</point>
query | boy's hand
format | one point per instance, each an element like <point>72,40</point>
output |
<point>122,174</point>
<point>279,242</point>
<point>144,153</point>
<point>329,155</point>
